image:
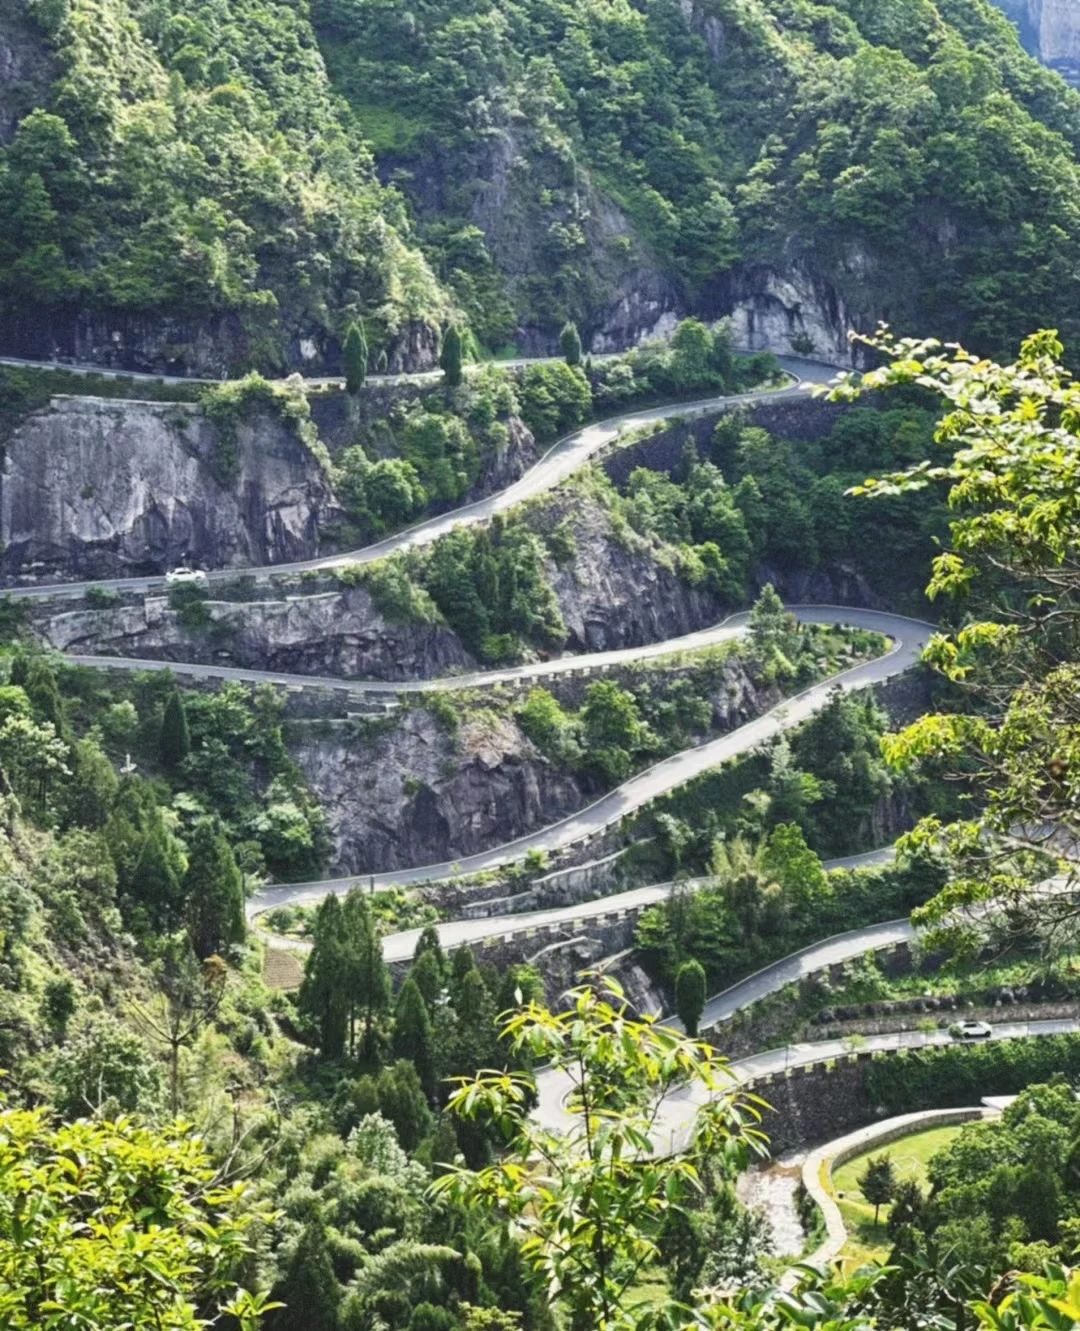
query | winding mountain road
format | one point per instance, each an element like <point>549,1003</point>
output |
<point>909,637</point>
<point>563,458</point>
<point>830,951</point>
<point>676,1116</point>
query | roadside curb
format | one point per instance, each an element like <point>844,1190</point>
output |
<point>819,1164</point>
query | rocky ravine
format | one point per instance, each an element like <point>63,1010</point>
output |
<point>408,790</point>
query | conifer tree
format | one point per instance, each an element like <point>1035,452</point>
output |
<point>214,887</point>
<point>690,995</point>
<point>174,744</point>
<point>877,1182</point>
<point>413,1036</point>
<point>155,880</point>
<point>355,357</point>
<point>570,343</point>
<point>323,995</point>
<point>429,942</point>
<point>41,688</point>
<point>309,1289</point>
<point>367,978</point>
<point>452,356</point>
<point>429,978</point>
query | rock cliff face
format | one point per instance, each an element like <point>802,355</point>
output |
<point>25,66</point>
<point>1050,29</point>
<point>617,592</point>
<point>521,191</point>
<point>95,488</point>
<point>211,346</point>
<point>337,633</point>
<point>792,311</point>
<point>407,791</point>
<point>417,794</point>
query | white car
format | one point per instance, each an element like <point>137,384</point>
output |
<point>972,1030</point>
<point>185,577</point>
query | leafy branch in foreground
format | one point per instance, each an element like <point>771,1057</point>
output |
<point>1013,570</point>
<point>591,1178</point>
<point>117,1225</point>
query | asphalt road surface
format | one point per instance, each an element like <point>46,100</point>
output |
<point>908,636</point>
<point>675,1117</point>
<point>561,460</point>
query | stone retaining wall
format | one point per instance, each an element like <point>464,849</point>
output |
<point>820,1164</point>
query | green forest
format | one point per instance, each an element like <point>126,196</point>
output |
<point>503,752</point>
<point>275,171</point>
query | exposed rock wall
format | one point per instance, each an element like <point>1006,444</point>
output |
<point>790,310</point>
<point>209,346</point>
<point>413,793</point>
<point>616,592</point>
<point>96,488</point>
<point>407,791</point>
<point>25,66</point>
<point>99,487</point>
<point>335,633</point>
<point>1050,29</point>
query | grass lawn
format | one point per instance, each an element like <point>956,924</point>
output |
<point>867,1241</point>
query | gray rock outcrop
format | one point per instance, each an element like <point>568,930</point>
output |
<point>25,66</point>
<point>417,794</point>
<point>1050,29</point>
<point>618,591</point>
<point>97,488</point>
<point>334,633</point>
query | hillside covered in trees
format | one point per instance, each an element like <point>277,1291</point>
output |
<point>215,185</point>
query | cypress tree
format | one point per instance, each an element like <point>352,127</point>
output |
<point>309,1288</point>
<point>403,1102</point>
<point>429,978</point>
<point>174,744</point>
<point>355,356</point>
<point>367,978</point>
<point>413,1036</point>
<point>155,878</point>
<point>41,688</point>
<point>323,995</point>
<point>451,356</point>
<point>214,887</point>
<point>429,942</point>
<point>690,995</point>
<point>570,343</point>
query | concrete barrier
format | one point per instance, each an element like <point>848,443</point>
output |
<point>820,1163</point>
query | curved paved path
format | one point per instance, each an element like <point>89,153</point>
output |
<point>564,457</point>
<point>455,933</point>
<point>842,1149</point>
<point>909,638</point>
<point>324,381</point>
<point>676,1115</point>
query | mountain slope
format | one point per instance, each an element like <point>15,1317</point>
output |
<point>185,192</point>
<point>213,184</point>
<point>809,166</point>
